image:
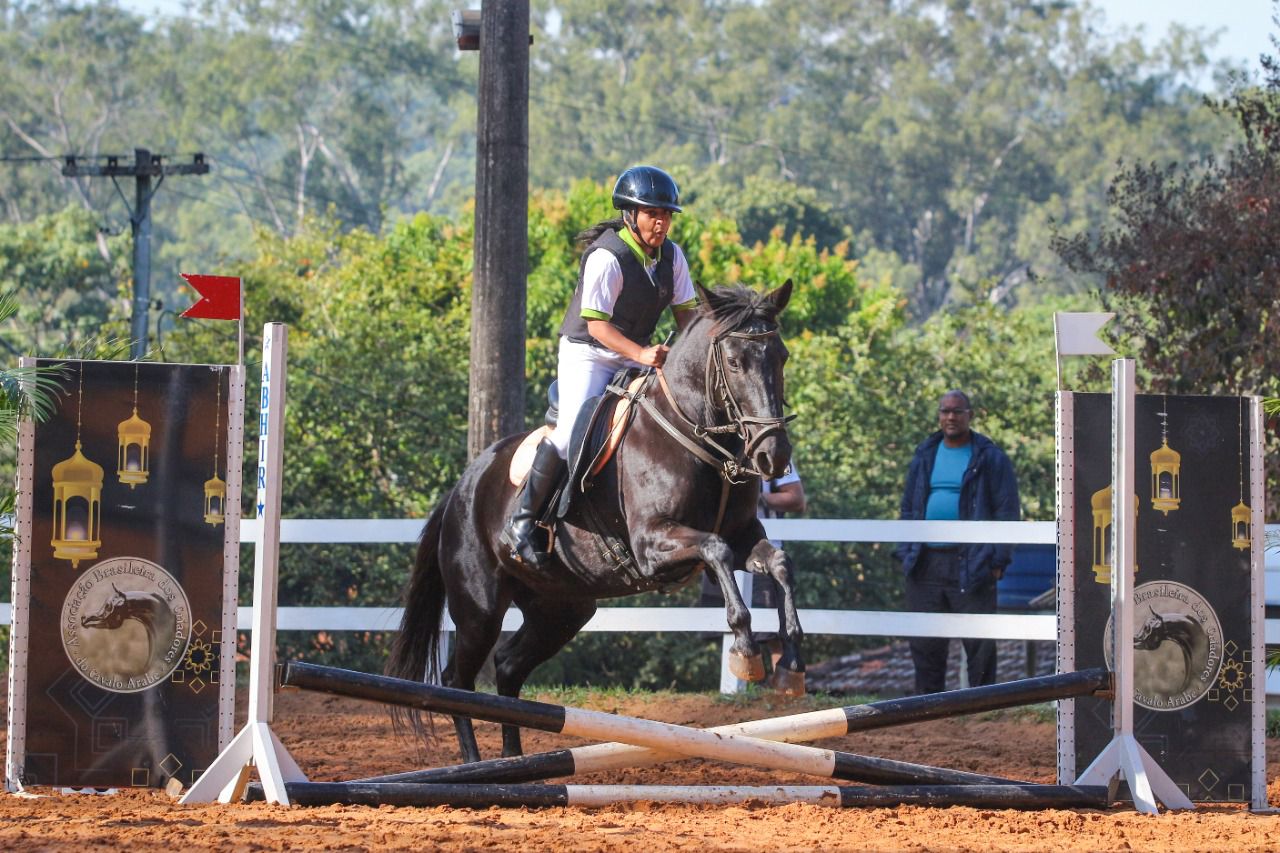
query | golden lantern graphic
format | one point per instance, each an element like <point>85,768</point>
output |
<point>1101,504</point>
<point>133,458</point>
<point>215,488</point>
<point>1166,466</point>
<point>1241,533</point>
<point>77,501</point>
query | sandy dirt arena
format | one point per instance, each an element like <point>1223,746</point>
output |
<point>334,739</point>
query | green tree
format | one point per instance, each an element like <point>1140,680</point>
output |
<point>944,134</point>
<point>63,290</point>
<point>308,105</point>
<point>1189,256</point>
<point>375,418</point>
<point>72,85</point>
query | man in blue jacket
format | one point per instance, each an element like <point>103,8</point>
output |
<point>956,474</point>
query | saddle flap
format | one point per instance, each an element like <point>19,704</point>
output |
<point>522,459</point>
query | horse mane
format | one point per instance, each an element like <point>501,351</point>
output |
<point>732,306</point>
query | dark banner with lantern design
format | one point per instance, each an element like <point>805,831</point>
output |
<point>127,576</point>
<point>1192,643</point>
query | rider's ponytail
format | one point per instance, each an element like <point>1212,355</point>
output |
<point>590,235</point>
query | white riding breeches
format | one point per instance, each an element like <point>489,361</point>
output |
<point>583,372</point>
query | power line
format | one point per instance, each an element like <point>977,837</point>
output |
<point>145,166</point>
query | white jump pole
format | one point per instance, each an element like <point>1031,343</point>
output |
<point>1124,758</point>
<point>256,745</point>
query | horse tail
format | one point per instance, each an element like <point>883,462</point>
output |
<point>414,652</point>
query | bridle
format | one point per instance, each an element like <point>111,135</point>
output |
<point>733,468</point>
<point>740,424</point>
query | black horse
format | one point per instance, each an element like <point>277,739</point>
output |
<point>680,493</point>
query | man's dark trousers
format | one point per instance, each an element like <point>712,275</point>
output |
<point>935,588</point>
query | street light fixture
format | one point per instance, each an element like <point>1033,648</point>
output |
<point>466,28</point>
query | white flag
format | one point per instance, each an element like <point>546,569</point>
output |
<point>1076,333</point>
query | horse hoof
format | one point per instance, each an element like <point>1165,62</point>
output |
<point>786,682</point>
<point>746,668</point>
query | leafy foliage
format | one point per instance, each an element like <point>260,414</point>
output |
<point>903,162</point>
<point>63,292</point>
<point>1190,256</point>
<point>941,137</point>
<point>1190,259</point>
<point>944,134</point>
<point>376,417</point>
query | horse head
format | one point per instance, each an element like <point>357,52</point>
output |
<point>111,614</point>
<point>733,355</point>
<point>1159,627</point>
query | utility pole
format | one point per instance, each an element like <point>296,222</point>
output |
<point>501,247</point>
<point>145,167</point>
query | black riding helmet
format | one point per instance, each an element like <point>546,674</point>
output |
<point>646,186</point>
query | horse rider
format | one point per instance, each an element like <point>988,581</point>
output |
<point>629,273</point>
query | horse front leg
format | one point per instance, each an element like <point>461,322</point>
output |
<point>788,672</point>
<point>673,550</point>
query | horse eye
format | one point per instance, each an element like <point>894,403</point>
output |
<point>734,364</point>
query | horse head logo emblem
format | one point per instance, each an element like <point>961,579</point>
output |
<point>1181,630</point>
<point>148,608</point>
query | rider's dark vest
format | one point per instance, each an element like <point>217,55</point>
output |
<point>641,301</point>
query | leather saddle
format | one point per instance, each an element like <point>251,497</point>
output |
<point>597,433</point>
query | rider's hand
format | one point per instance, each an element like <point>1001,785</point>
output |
<point>654,356</point>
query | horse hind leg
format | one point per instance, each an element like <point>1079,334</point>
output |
<point>477,633</point>
<point>462,726</point>
<point>549,623</point>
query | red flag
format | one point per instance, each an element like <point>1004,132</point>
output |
<point>219,297</point>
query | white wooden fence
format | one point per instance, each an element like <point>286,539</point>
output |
<point>705,619</point>
<point>711,619</point>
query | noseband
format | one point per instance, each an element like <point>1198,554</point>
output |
<point>752,429</point>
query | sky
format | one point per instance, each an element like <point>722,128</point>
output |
<point>1246,24</point>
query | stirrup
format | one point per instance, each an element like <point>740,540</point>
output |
<point>525,550</point>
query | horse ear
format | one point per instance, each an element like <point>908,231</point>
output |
<point>704,295</point>
<point>780,297</point>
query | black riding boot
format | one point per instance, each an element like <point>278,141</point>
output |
<point>544,477</point>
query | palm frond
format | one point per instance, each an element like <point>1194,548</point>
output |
<point>32,392</point>
<point>8,503</point>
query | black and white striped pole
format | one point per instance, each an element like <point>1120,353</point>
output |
<point>669,740</point>
<point>794,728</point>
<point>599,796</point>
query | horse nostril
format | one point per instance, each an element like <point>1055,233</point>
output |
<point>764,463</point>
